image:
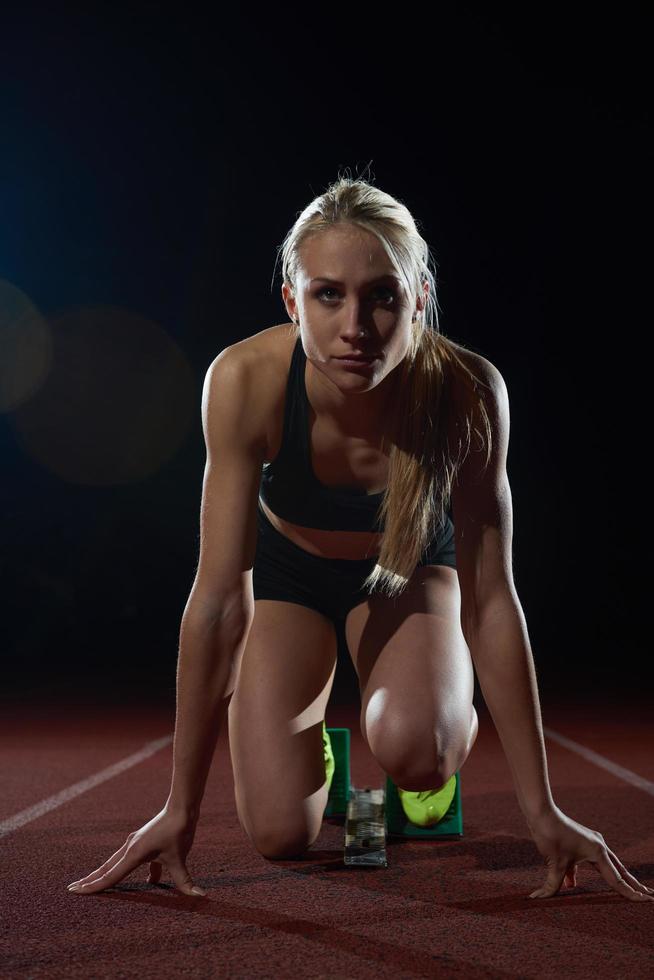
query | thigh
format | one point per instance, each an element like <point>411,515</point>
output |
<point>415,674</point>
<point>275,725</point>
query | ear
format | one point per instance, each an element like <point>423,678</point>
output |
<point>289,300</point>
<point>421,301</point>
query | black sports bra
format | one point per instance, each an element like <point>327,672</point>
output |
<point>288,484</point>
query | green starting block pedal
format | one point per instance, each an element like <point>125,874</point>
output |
<point>339,791</point>
<point>397,823</point>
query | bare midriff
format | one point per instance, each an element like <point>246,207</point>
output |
<point>353,545</point>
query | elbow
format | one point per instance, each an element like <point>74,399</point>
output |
<point>482,613</point>
<point>231,611</point>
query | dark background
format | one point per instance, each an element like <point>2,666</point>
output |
<point>152,163</point>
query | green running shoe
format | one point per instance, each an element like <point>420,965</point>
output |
<point>428,806</point>
<point>330,764</point>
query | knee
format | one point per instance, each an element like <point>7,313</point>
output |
<point>277,841</point>
<point>277,847</point>
<point>413,759</point>
<point>418,758</point>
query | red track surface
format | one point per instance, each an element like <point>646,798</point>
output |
<point>441,908</point>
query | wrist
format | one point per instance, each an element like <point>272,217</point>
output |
<point>182,808</point>
<point>540,811</point>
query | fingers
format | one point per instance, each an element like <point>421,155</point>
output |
<point>182,878</point>
<point>571,875</point>
<point>109,874</point>
<point>125,861</point>
<point>109,863</point>
<point>603,859</point>
<point>628,877</point>
<point>553,882</point>
<point>609,873</point>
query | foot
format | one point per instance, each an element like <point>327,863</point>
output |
<point>330,764</point>
<point>426,807</point>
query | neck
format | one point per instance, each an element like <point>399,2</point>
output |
<point>367,414</point>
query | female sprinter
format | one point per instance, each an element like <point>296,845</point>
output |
<point>357,417</point>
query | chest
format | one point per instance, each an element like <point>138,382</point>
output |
<point>337,459</point>
<point>345,461</point>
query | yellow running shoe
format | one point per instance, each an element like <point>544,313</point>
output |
<point>330,764</point>
<point>428,806</point>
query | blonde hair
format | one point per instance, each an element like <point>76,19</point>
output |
<point>422,463</point>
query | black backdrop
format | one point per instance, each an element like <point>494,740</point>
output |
<point>152,163</point>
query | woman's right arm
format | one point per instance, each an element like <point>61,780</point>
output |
<point>215,622</point>
<point>220,607</point>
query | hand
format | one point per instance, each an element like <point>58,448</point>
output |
<point>164,841</point>
<point>564,844</point>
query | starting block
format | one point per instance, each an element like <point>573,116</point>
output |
<point>371,815</point>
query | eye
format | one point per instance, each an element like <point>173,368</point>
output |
<point>390,293</point>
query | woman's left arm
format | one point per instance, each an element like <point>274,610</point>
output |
<point>495,630</point>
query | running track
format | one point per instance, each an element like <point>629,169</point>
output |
<point>77,780</point>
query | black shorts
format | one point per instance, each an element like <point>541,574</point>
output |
<point>333,586</point>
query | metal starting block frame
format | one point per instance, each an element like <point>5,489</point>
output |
<point>371,815</point>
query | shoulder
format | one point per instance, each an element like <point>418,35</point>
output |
<point>247,380</point>
<point>475,380</point>
<point>256,359</point>
<point>252,354</point>
<point>480,412</point>
<point>490,383</point>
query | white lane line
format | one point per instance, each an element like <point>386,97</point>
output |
<point>52,802</point>
<point>599,760</point>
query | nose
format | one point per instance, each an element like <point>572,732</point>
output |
<point>352,319</point>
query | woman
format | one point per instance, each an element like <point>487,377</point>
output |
<point>327,496</point>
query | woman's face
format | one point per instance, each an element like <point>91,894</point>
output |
<point>349,299</point>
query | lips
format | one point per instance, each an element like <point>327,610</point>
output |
<point>357,357</point>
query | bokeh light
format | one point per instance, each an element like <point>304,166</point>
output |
<point>113,403</point>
